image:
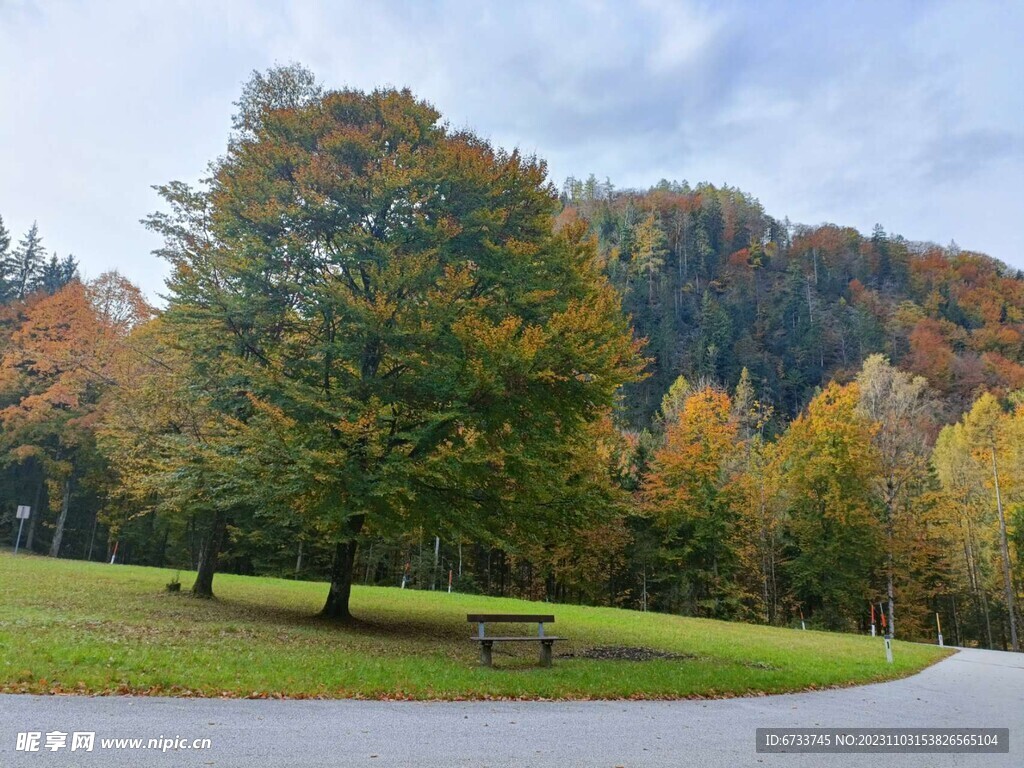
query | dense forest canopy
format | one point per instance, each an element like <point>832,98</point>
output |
<point>716,285</point>
<point>394,354</point>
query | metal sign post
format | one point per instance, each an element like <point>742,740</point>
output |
<point>23,513</point>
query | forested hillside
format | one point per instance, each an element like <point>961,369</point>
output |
<point>394,354</point>
<point>717,285</point>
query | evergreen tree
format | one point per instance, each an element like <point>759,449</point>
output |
<point>715,336</point>
<point>648,252</point>
<point>5,246</point>
<point>744,405</point>
<point>55,274</point>
<point>24,263</point>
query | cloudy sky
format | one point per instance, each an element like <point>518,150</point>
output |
<point>911,115</point>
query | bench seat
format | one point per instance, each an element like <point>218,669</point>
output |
<point>487,641</point>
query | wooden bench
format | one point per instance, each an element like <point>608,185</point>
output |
<point>486,641</point>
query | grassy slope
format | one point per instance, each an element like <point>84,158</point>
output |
<point>69,626</point>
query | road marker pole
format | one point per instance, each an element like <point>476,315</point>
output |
<point>22,514</point>
<point>938,625</point>
<point>872,619</point>
<point>888,634</point>
<point>802,624</point>
<point>449,581</point>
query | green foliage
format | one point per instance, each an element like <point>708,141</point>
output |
<point>24,263</point>
<point>796,306</point>
<point>55,273</point>
<point>828,462</point>
<point>688,494</point>
<point>383,330</point>
<point>5,247</point>
<point>382,308</point>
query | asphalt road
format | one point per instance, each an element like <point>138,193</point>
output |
<point>971,689</point>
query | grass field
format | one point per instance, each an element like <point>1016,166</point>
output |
<point>74,627</point>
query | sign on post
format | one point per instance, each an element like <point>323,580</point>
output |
<point>22,515</point>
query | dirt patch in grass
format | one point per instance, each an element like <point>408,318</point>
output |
<point>761,665</point>
<point>624,653</point>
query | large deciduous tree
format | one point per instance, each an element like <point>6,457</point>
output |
<point>410,343</point>
<point>898,403</point>
<point>173,450</point>
<point>828,461</point>
<point>687,491</point>
<point>52,374</point>
<point>988,428</point>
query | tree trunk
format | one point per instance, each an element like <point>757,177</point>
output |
<point>336,606</point>
<point>92,536</point>
<point>58,534</point>
<point>34,515</point>
<point>208,555</point>
<point>890,568</point>
<point>1011,607</point>
<point>975,577</point>
<point>889,594</point>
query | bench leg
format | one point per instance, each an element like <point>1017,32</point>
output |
<point>485,653</point>
<point>545,652</point>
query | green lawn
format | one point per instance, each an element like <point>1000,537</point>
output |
<point>68,626</point>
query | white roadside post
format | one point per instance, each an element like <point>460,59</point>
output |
<point>23,513</point>
<point>938,626</point>
<point>888,648</point>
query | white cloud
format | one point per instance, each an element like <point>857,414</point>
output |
<point>848,112</point>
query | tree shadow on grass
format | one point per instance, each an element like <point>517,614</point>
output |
<point>219,610</point>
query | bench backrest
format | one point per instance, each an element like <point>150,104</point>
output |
<point>478,618</point>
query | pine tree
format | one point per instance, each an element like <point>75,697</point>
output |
<point>5,238</point>
<point>55,274</point>
<point>649,251</point>
<point>673,401</point>
<point>715,336</point>
<point>744,410</point>
<point>5,246</point>
<point>24,262</point>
